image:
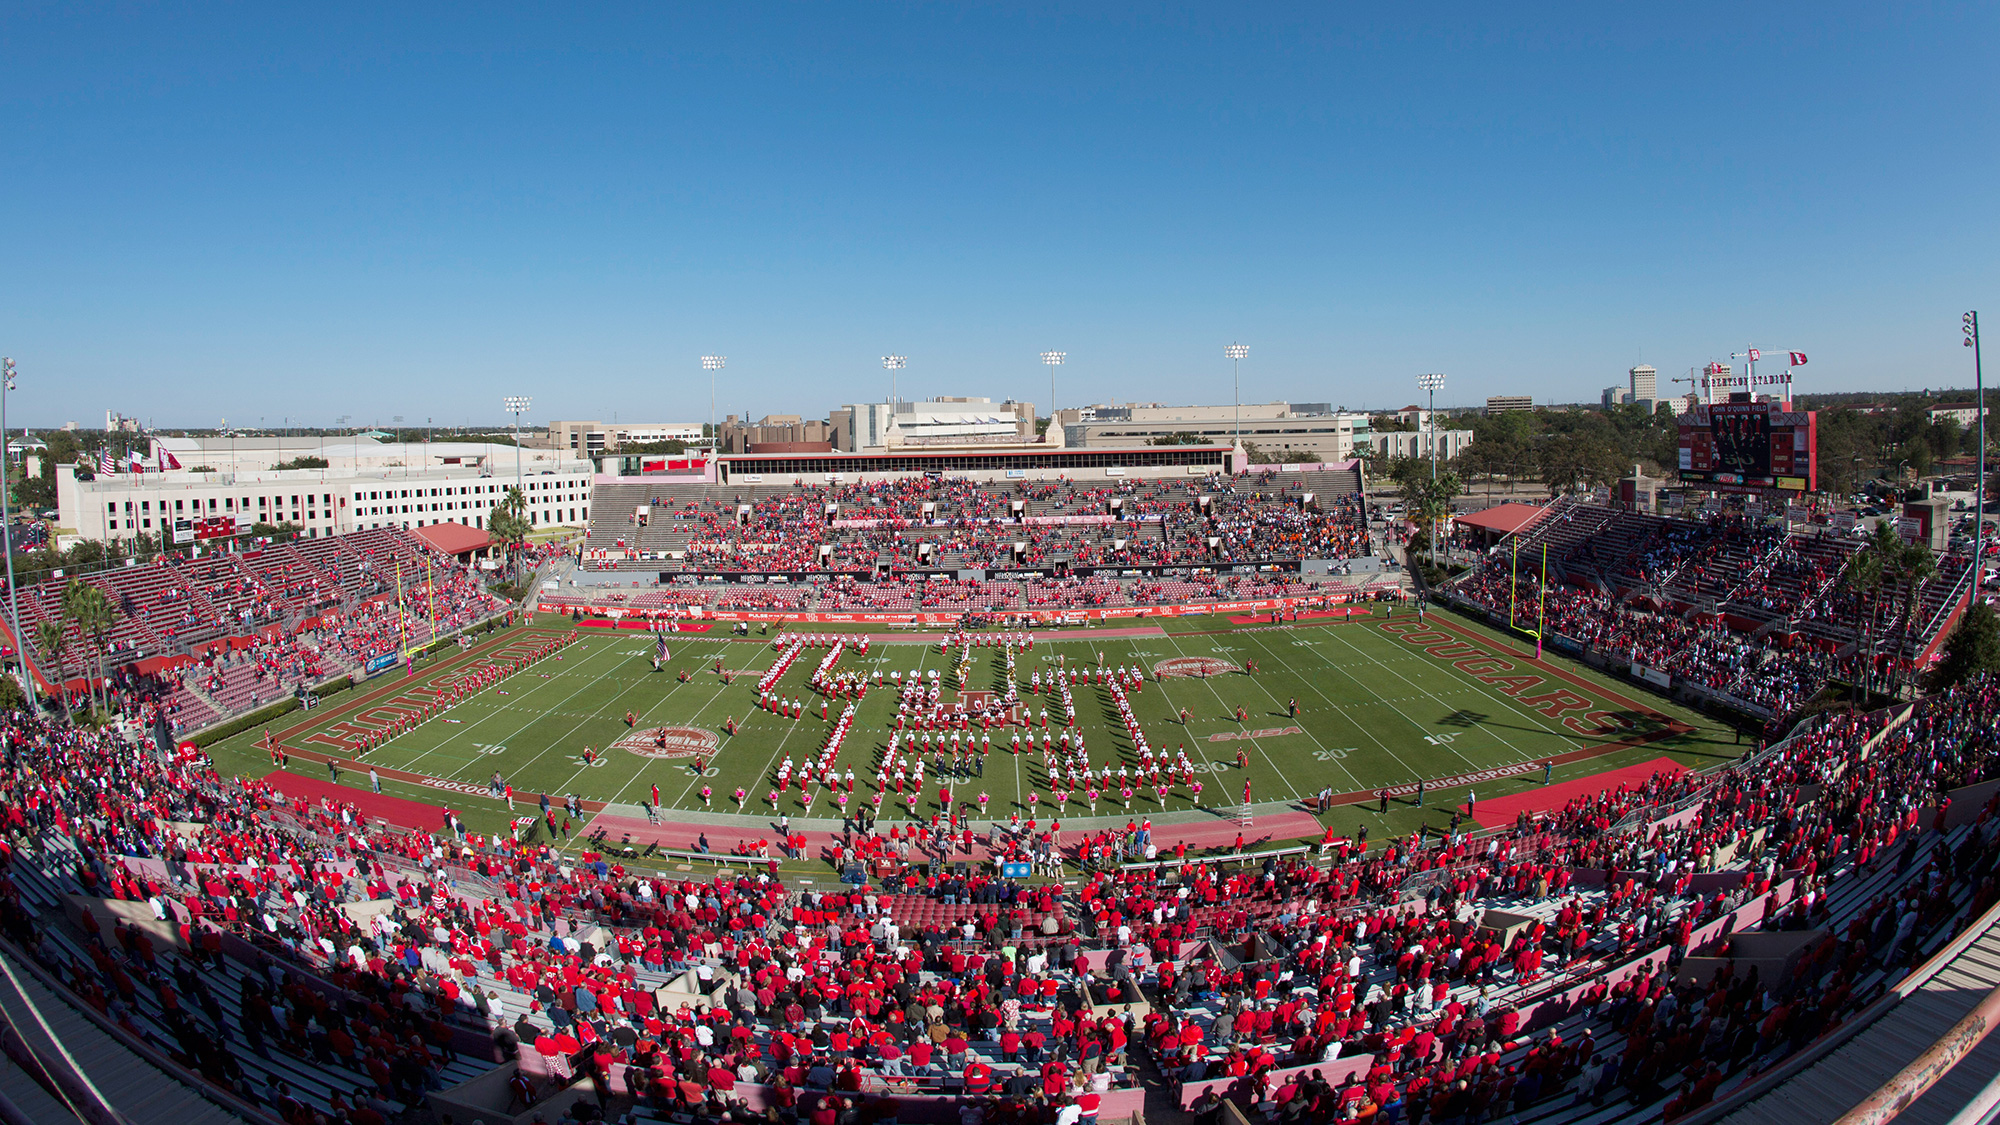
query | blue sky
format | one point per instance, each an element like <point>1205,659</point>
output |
<point>260,212</point>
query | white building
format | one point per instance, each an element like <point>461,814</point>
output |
<point>1274,428</point>
<point>1404,443</point>
<point>359,453</point>
<point>940,422</point>
<point>323,502</point>
<point>586,439</point>
<point>1966,414</point>
<point>1645,384</point>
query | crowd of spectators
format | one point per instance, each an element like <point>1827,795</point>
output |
<point>917,523</point>
<point>1021,999</point>
<point>264,624</point>
<point>1777,672</point>
<point>1258,981</point>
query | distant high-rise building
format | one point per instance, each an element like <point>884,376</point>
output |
<point>1645,384</point>
<point>1616,396</point>
<point>1501,404</point>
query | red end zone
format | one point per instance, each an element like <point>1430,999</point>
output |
<point>1581,707</point>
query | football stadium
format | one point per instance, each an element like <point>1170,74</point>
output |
<point>970,564</point>
<point>1182,792</point>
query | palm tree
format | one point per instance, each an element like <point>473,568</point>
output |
<point>1863,576</point>
<point>50,637</point>
<point>93,613</point>
<point>1914,566</point>
<point>508,522</point>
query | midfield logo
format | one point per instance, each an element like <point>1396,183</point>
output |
<point>670,742</point>
<point>1267,732</point>
<point>1203,666</point>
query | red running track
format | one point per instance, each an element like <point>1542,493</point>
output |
<point>1310,615</point>
<point>398,811</point>
<point>639,626</point>
<point>1268,828</point>
<point>1502,810</point>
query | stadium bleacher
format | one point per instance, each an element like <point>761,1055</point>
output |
<point>206,637</point>
<point>958,524</point>
<point>1599,963</point>
<point>1750,612</point>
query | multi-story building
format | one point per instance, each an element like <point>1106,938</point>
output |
<point>790,431</point>
<point>1501,404</point>
<point>944,422</point>
<point>1275,428</point>
<point>323,502</point>
<point>1616,396</point>
<point>589,439</point>
<point>1404,443</point>
<point>1966,414</point>
<point>1645,385</point>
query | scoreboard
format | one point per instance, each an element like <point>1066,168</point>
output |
<point>1750,446</point>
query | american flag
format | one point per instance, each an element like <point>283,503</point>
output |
<point>106,464</point>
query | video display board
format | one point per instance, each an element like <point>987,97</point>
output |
<point>1750,446</point>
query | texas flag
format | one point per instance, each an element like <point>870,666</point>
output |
<point>134,462</point>
<point>163,457</point>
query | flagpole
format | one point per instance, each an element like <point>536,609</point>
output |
<point>1513,584</point>
<point>1542,610</point>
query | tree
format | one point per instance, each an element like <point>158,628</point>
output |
<point>39,491</point>
<point>508,522</point>
<point>1914,565</point>
<point>1428,500</point>
<point>302,463</point>
<point>1972,648</point>
<point>49,639</point>
<point>1567,460</point>
<point>277,532</point>
<point>1863,576</point>
<point>1181,438</point>
<point>93,613</point>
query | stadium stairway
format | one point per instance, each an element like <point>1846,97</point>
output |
<point>129,1084</point>
<point>1851,1072</point>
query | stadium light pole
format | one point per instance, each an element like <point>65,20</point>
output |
<point>1430,382</point>
<point>893,364</point>
<point>7,524</point>
<point>517,405</point>
<point>1971,322</point>
<point>1054,360</point>
<point>1236,352</point>
<point>712,364</point>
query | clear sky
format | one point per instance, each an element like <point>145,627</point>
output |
<point>263,212</point>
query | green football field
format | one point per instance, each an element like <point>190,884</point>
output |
<point>1381,702</point>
